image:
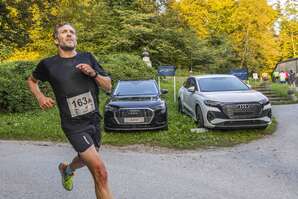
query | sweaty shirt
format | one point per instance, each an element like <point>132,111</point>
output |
<point>76,93</point>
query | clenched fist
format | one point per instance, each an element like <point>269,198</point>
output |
<point>86,69</point>
<point>45,102</point>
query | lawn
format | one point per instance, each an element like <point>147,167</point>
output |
<point>45,125</point>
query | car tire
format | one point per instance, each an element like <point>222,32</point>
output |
<point>180,106</point>
<point>199,117</point>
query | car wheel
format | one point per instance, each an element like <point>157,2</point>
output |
<point>199,117</point>
<point>180,106</point>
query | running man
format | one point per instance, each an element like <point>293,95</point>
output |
<point>75,78</point>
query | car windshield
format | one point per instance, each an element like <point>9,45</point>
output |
<point>214,84</point>
<point>128,88</point>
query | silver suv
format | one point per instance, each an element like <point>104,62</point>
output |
<point>223,101</point>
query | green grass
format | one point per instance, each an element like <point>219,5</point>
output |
<point>280,89</point>
<point>45,125</point>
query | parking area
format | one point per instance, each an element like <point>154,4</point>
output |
<point>265,168</point>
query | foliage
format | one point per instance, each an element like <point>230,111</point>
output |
<point>127,66</point>
<point>211,35</point>
<point>14,93</point>
<point>288,29</point>
<point>246,24</point>
<point>280,89</point>
<point>106,27</point>
<point>26,27</point>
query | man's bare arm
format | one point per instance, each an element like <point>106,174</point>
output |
<point>44,102</point>
<point>104,82</point>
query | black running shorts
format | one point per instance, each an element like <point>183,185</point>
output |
<point>81,141</point>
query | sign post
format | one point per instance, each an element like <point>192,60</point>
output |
<point>167,71</point>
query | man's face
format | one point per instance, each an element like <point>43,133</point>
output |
<point>66,38</point>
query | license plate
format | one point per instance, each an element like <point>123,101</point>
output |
<point>134,120</point>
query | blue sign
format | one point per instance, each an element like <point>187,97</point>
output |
<point>166,70</point>
<point>241,73</point>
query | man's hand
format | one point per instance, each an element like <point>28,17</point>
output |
<point>45,102</point>
<point>86,69</point>
<point>103,81</point>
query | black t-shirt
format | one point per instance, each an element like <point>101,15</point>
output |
<point>68,82</point>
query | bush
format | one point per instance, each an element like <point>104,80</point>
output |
<point>14,93</point>
<point>16,97</point>
<point>127,66</point>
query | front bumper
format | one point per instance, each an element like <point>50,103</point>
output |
<point>158,121</point>
<point>216,118</point>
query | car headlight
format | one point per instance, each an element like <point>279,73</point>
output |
<point>161,106</point>
<point>110,108</point>
<point>212,103</point>
<point>264,102</point>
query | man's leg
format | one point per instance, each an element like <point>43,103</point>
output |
<point>76,163</point>
<point>97,168</point>
<point>69,169</point>
<point>80,142</point>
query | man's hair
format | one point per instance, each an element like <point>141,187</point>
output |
<point>55,33</point>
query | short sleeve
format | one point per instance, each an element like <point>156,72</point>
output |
<point>40,72</point>
<point>96,66</point>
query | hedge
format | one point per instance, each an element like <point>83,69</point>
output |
<point>14,93</point>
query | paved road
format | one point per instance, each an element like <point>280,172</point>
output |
<point>264,169</point>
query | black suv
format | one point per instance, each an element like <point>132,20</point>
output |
<point>136,105</point>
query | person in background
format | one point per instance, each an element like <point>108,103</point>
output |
<point>287,76</point>
<point>282,77</point>
<point>275,76</point>
<point>292,78</point>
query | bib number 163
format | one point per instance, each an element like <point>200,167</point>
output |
<point>81,104</point>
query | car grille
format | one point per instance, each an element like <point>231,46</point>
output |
<point>145,113</point>
<point>243,110</point>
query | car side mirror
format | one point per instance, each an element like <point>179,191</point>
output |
<point>163,91</point>
<point>191,89</point>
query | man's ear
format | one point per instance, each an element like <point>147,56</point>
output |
<point>56,41</point>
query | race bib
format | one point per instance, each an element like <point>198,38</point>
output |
<point>81,104</point>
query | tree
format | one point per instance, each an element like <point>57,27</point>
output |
<point>288,36</point>
<point>13,30</point>
<point>247,25</point>
<point>34,19</point>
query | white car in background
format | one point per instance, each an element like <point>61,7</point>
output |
<point>223,101</point>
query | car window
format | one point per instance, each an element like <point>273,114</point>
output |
<point>221,84</point>
<point>187,83</point>
<point>127,88</point>
<point>193,83</point>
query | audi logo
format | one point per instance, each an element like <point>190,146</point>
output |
<point>133,112</point>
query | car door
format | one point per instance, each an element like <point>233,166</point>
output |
<point>183,92</point>
<point>187,94</point>
<point>191,98</point>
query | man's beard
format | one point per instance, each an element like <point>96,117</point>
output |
<point>67,48</point>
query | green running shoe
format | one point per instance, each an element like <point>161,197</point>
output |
<point>67,180</point>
